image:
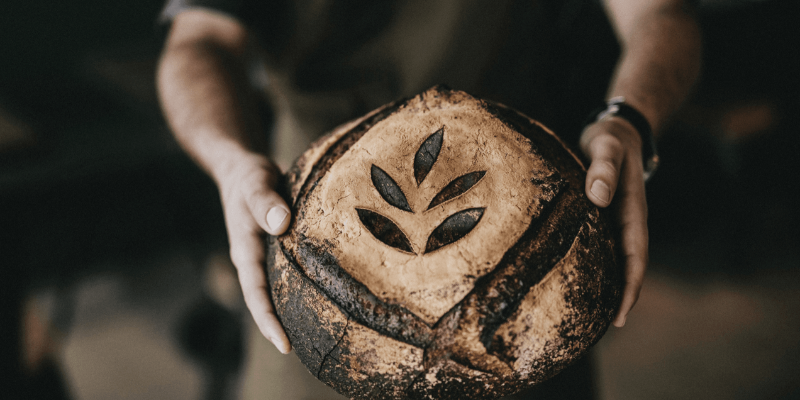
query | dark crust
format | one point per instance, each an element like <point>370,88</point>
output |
<point>368,309</point>
<point>338,149</point>
<point>590,312</point>
<point>337,371</point>
<point>459,382</point>
<point>356,299</point>
<point>312,337</point>
<point>496,296</point>
<point>570,213</point>
<point>323,345</point>
<point>546,241</point>
<point>543,142</point>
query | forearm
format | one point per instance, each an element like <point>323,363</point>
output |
<point>202,84</point>
<point>207,105</point>
<point>660,61</point>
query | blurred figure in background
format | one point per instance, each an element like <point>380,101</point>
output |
<point>318,64</point>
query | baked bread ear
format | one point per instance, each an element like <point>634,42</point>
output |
<point>442,247</point>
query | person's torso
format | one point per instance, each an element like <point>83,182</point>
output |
<point>330,61</point>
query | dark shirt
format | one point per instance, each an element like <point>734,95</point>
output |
<point>330,61</point>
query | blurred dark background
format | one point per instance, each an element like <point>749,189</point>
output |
<point>113,271</point>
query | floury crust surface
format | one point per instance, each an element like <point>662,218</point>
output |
<point>517,280</point>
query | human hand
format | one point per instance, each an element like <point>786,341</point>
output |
<point>614,149</point>
<point>253,208</point>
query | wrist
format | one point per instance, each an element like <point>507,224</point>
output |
<point>225,158</point>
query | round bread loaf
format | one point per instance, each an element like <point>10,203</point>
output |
<point>441,247</point>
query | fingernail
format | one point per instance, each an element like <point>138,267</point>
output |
<point>275,217</point>
<point>278,345</point>
<point>622,323</point>
<point>601,191</point>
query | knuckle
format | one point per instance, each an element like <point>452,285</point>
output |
<point>609,143</point>
<point>606,165</point>
<point>256,203</point>
<point>250,300</point>
<point>634,280</point>
<point>604,168</point>
<point>261,199</point>
<point>249,295</point>
<point>606,147</point>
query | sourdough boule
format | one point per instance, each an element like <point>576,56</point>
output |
<point>441,247</point>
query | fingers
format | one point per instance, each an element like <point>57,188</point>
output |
<point>252,207</point>
<point>633,222</point>
<point>614,148</point>
<point>247,254</point>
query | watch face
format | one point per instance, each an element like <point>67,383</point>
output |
<point>426,203</point>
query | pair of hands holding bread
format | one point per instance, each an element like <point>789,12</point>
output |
<point>204,94</point>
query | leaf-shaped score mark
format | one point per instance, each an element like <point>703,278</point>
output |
<point>388,189</point>
<point>454,228</point>
<point>450,230</point>
<point>457,187</point>
<point>427,154</point>
<point>384,230</point>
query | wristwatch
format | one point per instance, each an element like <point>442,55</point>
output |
<point>617,107</point>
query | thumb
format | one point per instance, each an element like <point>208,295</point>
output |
<point>269,210</point>
<point>606,154</point>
